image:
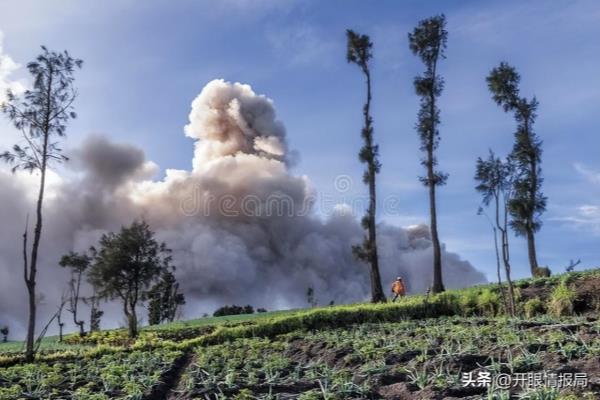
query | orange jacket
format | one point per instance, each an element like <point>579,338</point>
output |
<point>398,288</point>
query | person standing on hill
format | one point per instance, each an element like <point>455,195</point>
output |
<point>398,288</point>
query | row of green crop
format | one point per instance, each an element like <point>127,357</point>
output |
<point>246,367</point>
<point>346,362</point>
<point>119,375</point>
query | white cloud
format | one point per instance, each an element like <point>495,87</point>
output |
<point>585,217</point>
<point>7,68</point>
<point>589,174</point>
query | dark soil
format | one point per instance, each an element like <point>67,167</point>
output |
<point>170,379</point>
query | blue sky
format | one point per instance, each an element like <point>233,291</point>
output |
<point>145,61</point>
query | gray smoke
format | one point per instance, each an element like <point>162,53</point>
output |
<point>239,223</point>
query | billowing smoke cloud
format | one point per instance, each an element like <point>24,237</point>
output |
<point>240,223</point>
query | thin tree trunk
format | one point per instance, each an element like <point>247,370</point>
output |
<point>133,327</point>
<point>438,283</point>
<point>530,233</point>
<point>506,260</point>
<point>498,273</point>
<point>511,288</point>
<point>129,316</point>
<point>531,251</point>
<point>495,229</point>
<point>81,330</point>
<point>37,234</point>
<point>31,281</point>
<point>29,349</point>
<point>376,287</point>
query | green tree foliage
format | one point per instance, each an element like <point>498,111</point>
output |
<point>95,316</point>
<point>310,297</point>
<point>359,53</point>
<point>528,202</point>
<point>428,42</point>
<point>4,331</point>
<point>126,265</point>
<point>233,310</point>
<point>164,299</point>
<point>494,179</point>
<point>78,264</point>
<point>96,313</point>
<point>41,114</point>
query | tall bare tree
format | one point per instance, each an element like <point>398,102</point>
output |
<point>41,114</point>
<point>428,42</point>
<point>359,53</point>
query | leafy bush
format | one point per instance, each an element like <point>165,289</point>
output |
<point>117,337</point>
<point>561,301</point>
<point>488,302</point>
<point>468,302</point>
<point>233,310</point>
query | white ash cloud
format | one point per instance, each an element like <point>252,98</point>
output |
<point>230,119</point>
<point>239,221</point>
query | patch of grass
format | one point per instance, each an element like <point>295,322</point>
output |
<point>561,300</point>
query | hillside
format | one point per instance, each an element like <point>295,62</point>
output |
<point>417,348</point>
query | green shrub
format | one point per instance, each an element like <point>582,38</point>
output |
<point>561,301</point>
<point>534,307</point>
<point>468,302</point>
<point>488,302</point>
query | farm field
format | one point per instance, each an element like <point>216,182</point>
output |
<point>418,348</point>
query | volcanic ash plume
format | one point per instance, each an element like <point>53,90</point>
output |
<point>239,223</point>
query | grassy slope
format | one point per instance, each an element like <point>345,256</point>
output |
<point>477,300</point>
<point>480,300</point>
<point>51,343</point>
<point>216,321</point>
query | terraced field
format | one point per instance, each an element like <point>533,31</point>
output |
<point>411,359</point>
<point>442,347</point>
